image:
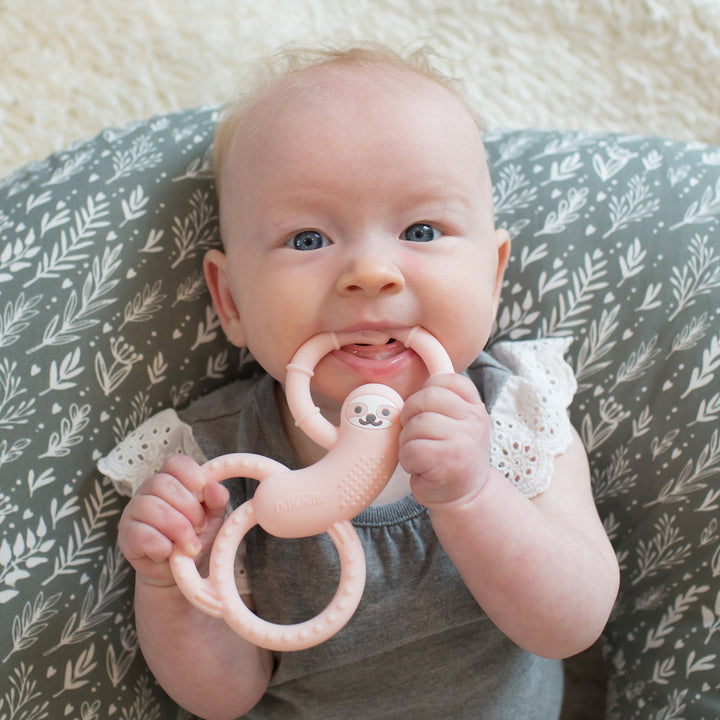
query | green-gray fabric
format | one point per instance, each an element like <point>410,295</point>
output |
<point>104,321</point>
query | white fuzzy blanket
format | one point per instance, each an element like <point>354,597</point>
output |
<point>71,67</point>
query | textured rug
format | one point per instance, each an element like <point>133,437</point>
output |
<point>68,68</point>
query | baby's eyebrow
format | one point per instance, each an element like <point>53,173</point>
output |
<point>443,187</point>
<point>442,202</point>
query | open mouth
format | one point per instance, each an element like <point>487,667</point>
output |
<point>385,351</point>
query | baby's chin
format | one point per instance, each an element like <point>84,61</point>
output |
<point>330,400</point>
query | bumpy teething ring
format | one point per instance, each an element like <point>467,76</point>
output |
<point>217,594</point>
<point>321,498</point>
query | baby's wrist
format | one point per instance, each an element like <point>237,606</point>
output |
<point>454,504</point>
<point>454,494</point>
<point>449,504</point>
<point>155,581</point>
<point>464,501</point>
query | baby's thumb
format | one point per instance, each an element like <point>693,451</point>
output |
<point>216,499</point>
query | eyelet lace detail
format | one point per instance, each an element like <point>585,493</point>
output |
<point>530,423</point>
<point>142,453</point>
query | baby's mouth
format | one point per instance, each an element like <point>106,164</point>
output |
<point>387,350</point>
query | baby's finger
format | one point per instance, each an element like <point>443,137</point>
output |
<point>140,540</point>
<point>419,456</point>
<point>148,551</point>
<point>188,472</point>
<point>439,400</point>
<point>217,497</point>
<point>175,496</point>
<point>461,385</point>
<point>153,512</point>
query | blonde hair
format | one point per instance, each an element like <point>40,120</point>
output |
<point>290,61</point>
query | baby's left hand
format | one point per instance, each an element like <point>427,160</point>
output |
<point>444,441</point>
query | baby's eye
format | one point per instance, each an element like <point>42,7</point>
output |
<point>421,232</point>
<point>308,240</point>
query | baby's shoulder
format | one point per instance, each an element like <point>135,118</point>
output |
<point>540,362</point>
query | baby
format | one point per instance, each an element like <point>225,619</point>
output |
<point>355,195</point>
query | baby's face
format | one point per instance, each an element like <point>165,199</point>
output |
<point>360,200</point>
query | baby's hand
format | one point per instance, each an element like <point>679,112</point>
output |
<point>444,441</point>
<point>176,506</point>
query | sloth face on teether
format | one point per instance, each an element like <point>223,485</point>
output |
<point>371,411</point>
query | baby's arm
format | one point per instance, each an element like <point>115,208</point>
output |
<point>543,570</point>
<point>201,664</point>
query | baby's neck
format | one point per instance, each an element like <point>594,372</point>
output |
<point>308,452</point>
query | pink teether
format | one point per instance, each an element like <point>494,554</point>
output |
<point>362,454</point>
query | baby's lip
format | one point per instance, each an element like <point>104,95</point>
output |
<point>364,335</point>
<point>371,343</point>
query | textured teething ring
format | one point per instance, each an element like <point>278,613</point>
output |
<point>362,454</point>
<point>217,594</point>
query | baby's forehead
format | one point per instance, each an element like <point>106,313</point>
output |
<point>342,109</point>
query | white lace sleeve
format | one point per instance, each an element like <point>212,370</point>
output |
<point>530,423</point>
<point>145,449</point>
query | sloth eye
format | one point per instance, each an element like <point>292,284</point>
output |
<point>388,412</point>
<point>357,410</point>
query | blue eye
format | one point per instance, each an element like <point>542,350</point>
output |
<point>421,232</point>
<point>308,240</point>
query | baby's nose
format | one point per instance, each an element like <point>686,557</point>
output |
<point>371,274</point>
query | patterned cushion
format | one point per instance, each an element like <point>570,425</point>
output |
<point>104,320</point>
<point>617,243</point>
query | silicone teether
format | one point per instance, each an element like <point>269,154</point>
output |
<point>362,454</point>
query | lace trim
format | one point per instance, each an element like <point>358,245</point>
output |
<point>142,453</point>
<point>530,423</point>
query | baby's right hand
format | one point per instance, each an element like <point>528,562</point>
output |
<point>176,506</point>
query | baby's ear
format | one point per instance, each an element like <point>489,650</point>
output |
<point>225,306</point>
<point>502,238</point>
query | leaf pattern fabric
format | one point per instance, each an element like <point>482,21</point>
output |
<point>105,320</point>
<point>617,243</point>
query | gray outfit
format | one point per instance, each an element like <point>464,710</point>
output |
<point>418,646</point>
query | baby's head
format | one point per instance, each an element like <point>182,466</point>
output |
<point>354,194</point>
<point>290,64</point>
